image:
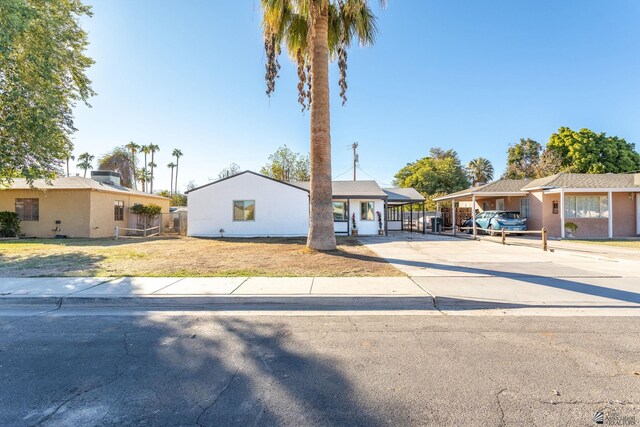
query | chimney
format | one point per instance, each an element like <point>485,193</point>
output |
<point>106,177</point>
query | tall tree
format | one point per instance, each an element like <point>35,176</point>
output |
<point>145,149</point>
<point>133,149</point>
<point>85,162</point>
<point>69,157</point>
<point>144,176</point>
<point>230,170</point>
<point>177,154</point>
<point>585,151</point>
<point>439,173</point>
<point>42,76</point>
<point>287,165</point>
<point>171,166</point>
<point>153,148</point>
<point>523,159</point>
<point>480,170</point>
<point>313,31</point>
<point>118,160</point>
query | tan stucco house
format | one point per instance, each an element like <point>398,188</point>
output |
<point>74,206</point>
<point>601,205</point>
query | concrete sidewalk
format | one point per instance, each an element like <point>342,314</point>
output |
<point>460,292</point>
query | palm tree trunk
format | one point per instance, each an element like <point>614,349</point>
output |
<point>321,233</point>
<point>144,184</point>
<point>171,190</point>
<point>133,169</point>
<point>176,189</point>
<point>85,173</point>
<point>67,166</point>
<point>152,156</point>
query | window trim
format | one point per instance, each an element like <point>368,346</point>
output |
<point>233,210</point>
<point>118,208</point>
<point>31,217</point>
<point>373,203</point>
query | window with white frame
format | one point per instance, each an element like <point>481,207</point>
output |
<point>367,211</point>
<point>244,210</point>
<point>525,210</point>
<point>587,207</point>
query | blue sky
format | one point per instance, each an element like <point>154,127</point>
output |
<point>468,75</point>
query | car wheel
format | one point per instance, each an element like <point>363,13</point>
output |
<point>491,232</point>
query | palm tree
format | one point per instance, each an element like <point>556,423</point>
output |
<point>69,157</point>
<point>153,148</point>
<point>144,176</point>
<point>171,166</point>
<point>133,148</point>
<point>85,162</point>
<point>177,154</point>
<point>480,170</point>
<point>145,150</point>
<point>118,160</point>
<point>313,31</point>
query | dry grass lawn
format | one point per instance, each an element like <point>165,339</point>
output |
<point>186,257</point>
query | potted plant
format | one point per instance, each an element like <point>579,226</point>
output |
<point>380,229</point>
<point>354,226</point>
<point>571,228</point>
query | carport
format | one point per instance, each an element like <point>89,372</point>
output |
<point>405,210</point>
<point>504,194</point>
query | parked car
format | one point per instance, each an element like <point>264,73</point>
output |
<point>494,221</point>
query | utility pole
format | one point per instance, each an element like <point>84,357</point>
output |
<point>355,159</point>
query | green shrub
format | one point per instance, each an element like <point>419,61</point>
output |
<point>9,224</point>
<point>571,226</point>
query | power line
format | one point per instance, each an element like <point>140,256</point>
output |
<point>383,183</point>
<point>339,175</point>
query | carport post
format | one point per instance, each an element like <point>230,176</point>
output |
<point>411,217</point>
<point>453,215</point>
<point>424,220</point>
<point>473,215</point>
<point>562,213</point>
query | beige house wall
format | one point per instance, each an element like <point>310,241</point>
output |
<point>535,222</point>
<point>82,213</point>
<point>103,220</point>
<point>70,207</point>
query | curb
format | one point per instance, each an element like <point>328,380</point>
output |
<point>232,302</point>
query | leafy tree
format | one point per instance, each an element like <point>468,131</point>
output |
<point>549,164</point>
<point>42,77</point>
<point>118,160</point>
<point>191,185</point>
<point>588,152</point>
<point>313,32</point>
<point>434,175</point>
<point>176,199</point>
<point>523,159</point>
<point>134,148</point>
<point>230,170</point>
<point>287,165</point>
<point>480,170</point>
<point>177,154</point>
<point>85,161</point>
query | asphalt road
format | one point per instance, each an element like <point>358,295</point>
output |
<point>203,369</point>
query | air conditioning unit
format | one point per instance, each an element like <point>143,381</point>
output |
<point>106,177</point>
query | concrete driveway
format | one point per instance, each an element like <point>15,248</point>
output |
<point>461,273</point>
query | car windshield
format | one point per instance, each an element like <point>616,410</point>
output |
<point>509,215</point>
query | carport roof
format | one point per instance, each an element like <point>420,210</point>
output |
<point>501,187</point>
<point>403,195</point>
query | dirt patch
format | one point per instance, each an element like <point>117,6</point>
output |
<point>187,257</point>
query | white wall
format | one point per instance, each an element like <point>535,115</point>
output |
<point>280,209</point>
<point>366,227</point>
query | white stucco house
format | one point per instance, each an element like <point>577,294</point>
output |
<point>249,204</point>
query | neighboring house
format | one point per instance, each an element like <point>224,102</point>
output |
<point>74,206</point>
<point>602,205</point>
<point>251,205</point>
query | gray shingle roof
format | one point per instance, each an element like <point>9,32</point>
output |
<point>585,180</point>
<point>343,189</point>
<point>403,195</point>
<point>73,183</point>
